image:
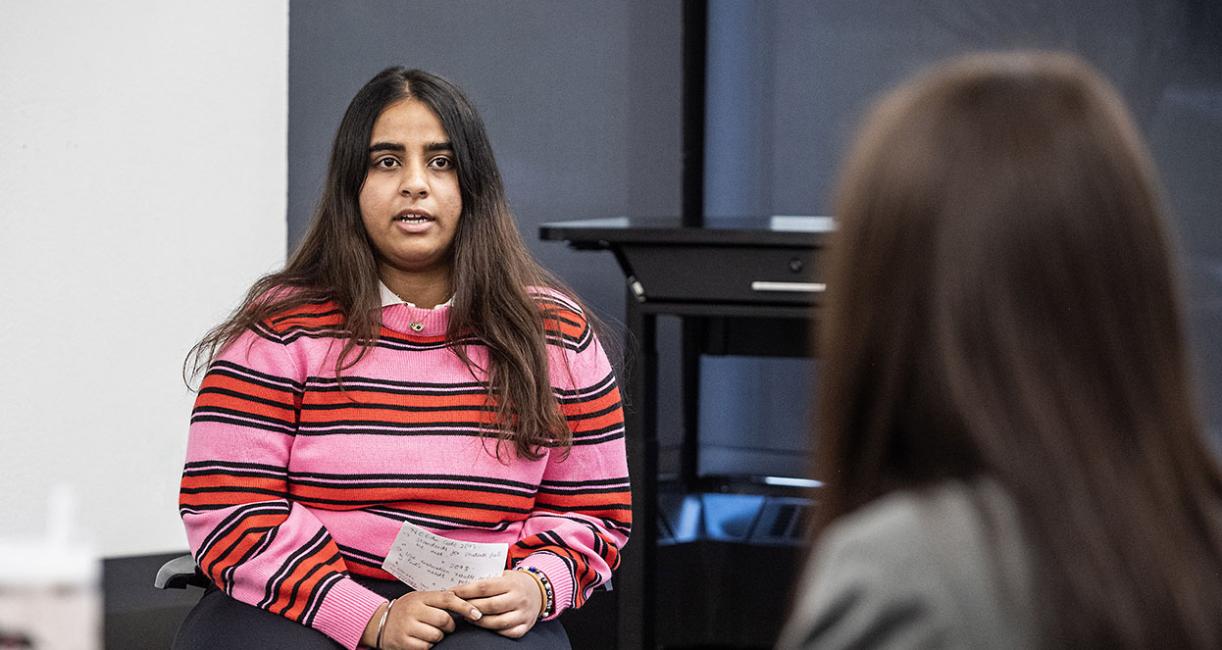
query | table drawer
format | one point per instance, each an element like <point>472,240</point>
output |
<point>732,274</point>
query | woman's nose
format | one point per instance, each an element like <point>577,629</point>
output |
<point>414,183</point>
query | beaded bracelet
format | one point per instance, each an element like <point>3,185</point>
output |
<point>382,623</point>
<point>549,598</point>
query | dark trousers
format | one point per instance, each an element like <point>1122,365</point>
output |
<point>219,621</point>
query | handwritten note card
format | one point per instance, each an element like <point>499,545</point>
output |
<point>428,562</point>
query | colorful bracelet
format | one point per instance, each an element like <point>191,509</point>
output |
<point>382,622</point>
<point>549,597</point>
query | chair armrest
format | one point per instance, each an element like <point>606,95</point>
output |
<point>179,573</point>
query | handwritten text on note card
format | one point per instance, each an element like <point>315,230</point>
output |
<point>428,562</point>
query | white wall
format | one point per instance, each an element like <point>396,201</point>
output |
<point>142,189</point>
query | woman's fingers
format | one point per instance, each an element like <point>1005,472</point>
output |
<point>448,601</point>
<point>423,618</point>
<point>510,591</point>
<point>428,633</point>
<point>437,618</point>
<point>496,604</point>
<point>485,588</point>
<point>510,602</point>
<point>501,622</point>
<point>415,634</point>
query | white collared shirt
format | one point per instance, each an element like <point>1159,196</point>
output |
<point>390,298</point>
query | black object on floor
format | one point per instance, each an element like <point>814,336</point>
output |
<point>136,614</point>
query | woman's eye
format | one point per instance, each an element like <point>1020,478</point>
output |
<point>386,163</point>
<point>442,163</point>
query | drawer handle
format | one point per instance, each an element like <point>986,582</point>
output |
<point>793,287</point>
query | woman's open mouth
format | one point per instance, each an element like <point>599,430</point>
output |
<point>413,221</point>
<point>413,216</point>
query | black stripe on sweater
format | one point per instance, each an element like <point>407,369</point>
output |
<point>316,599</point>
<point>303,553</point>
<point>621,480</point>
<point>356,485</point>
<point>242,373</point>
<point>320,478</point>
<point>438,522</point>
<point>328,384</point>
<point>232,520</point>
<point>594,414</point>
<point>242,419</point>
<point>296,591</point>
<point>234,466</point>
<point>487,408</point>
<point>591,392</point>
<point>615,489</point>
<point>374,428</point>
<point>246,397</point>
<point>254,551</point>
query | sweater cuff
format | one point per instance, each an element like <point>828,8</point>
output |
<point>345,611</point>
<point>557,572</point>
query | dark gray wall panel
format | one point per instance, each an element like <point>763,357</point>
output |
<point>789,81</point>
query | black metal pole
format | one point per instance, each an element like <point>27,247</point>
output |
<point>695,48</point>
<point>636,578</point>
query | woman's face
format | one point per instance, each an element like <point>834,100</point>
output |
<point>410,202</point>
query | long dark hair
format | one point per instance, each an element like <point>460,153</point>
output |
<point>1004,304</point>
<point>492,268</point>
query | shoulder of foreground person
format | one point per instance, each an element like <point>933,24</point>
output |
<point>943,567</point>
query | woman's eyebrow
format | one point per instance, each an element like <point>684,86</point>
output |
<point>395,146</point>
<point>386,146</point>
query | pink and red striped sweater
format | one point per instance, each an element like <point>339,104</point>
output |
<point>292,485</point>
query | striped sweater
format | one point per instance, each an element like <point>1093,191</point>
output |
<point>292,484</point>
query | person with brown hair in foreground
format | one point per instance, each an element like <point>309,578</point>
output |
<point>1007,429</point>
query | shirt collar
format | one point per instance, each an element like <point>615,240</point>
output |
<point>389,298</point>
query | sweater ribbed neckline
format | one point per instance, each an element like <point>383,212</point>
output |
<point>416,321</point>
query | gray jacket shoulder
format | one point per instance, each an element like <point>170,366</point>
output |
<point>942,568</point>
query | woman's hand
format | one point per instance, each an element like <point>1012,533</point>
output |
<point>511,602</point>
<point>418,620</point>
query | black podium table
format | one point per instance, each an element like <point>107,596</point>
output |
<point>748,287</point>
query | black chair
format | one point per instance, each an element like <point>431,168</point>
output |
<point>586,627</point>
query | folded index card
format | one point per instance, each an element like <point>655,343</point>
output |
<point>429,562</point>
